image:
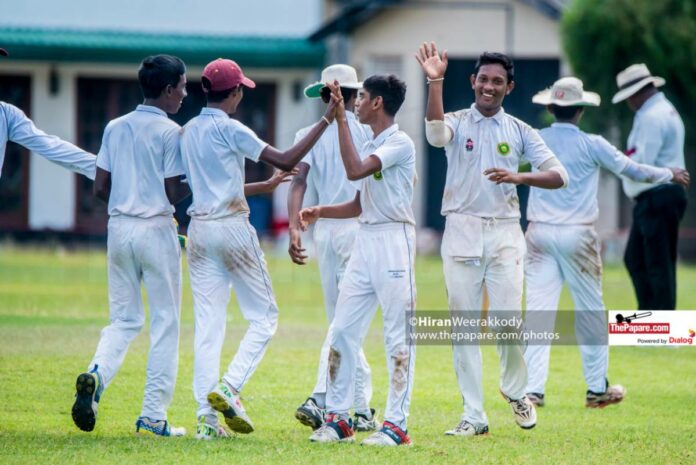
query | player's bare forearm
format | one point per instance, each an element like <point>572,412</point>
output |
<point>355,168</point>
<point>543,179</point>
<point>102,185</point>
<point>349,209</point>
<point>176,190</point>
<point>256,188</point>
<point>435,110</point>
<point>298,188</point>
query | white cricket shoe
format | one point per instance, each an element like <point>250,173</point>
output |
<point>148,426</point>
<point>389,436</point>
<point>208,431</point>
<point>363,423</point>
<point>612,395</point>
<point>523,410</point>
<point>226,401</point>
<point>334,430</point>
<point>464,428</point>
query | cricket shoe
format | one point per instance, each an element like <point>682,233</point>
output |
<point>363,423</point>
<point>464,428</point>
<point>524,411</point>
<point>389,436</point>
<point>536,398</point>
<point>208,431</point>
<point>612,395</point>
<point>148,426</point>
<point>334,430</point>
<point>226,401</point>
<point>88,390</point>
<point>310,414</point>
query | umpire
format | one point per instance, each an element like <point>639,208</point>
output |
<point>657,138</point>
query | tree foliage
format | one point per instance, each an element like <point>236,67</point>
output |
<point>602,37</point>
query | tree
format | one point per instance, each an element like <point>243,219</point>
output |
<point>602,37</point>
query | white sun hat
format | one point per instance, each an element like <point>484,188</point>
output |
<point>567,92</point>
<point>632,79</point>
<point>344,74</point>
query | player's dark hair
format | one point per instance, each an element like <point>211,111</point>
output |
<point>156,72</point>
<point>565,113</point>
<point>390,88</point>
<point>215,96</point>
<point>494,58</point>
<point>345,92</point>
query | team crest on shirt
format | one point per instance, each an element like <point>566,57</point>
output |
<point>504,148</point>
<point>469,145</point>
<point>378,175</point>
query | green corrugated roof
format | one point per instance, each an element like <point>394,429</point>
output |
<point>131,47</point>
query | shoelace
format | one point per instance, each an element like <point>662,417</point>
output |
<point>463,426</point>
<point>521,407</point>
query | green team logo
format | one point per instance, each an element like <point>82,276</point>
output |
<point>503,148</point>
<point>378,176</point>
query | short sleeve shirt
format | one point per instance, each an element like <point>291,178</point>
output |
<point>140,150</point>
<point>213,149</point>
<point>386,196</point>
<point>479,143</point>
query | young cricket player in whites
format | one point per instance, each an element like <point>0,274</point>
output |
<point>562,244</point>
<point>139,175</point>
<point>381,266</point>
<point>483,241</point>
<point>16,127</point>
<point>223,249</point>
<point>333,238</point>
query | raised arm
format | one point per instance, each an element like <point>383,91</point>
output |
<point>355,167</point>
<point>437,133</point>
<point>23,131</point>
<point>287,160</point>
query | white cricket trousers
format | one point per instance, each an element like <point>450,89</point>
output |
<point>223,254</point>
<point>501,270</point>
<point>380,272</point>
<point>557,254</point>
<point>144,249</point>
<point>334,240</point>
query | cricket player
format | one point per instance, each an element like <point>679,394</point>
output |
<point>656,138</point>
<point>483,241</point>
<point>333,238</point>
<point>139,174</point>
<point>223,249</point>
<point>380,269</point>
<point>16,127</point>
<point>562,245</point>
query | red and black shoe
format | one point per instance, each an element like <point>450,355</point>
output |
<point>334,430</point>
<point>390,435</point>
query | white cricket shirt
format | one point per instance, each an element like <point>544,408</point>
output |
<point>327,173</point>
<point>140,149</point>
<point>479,143</point>
<point>582,155</point>
<point>16,127</point>
<point>657,138</point>
<point>213,149</point>
<point>386,196</point>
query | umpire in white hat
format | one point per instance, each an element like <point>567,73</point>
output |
<point>657,138</point>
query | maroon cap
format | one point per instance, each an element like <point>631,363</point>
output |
<point>3,52</point>
<point>225,74</point>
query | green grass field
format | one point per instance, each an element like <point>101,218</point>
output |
<point>53,305</point>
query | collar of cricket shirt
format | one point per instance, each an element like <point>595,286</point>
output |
<point>379,140</point>
<point>151,109</point>
<point>213,111</point>
<point>477,116</point>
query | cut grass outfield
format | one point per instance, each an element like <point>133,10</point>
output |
<point>53,305</point>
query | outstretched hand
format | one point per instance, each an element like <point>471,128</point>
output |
<point>280,176</point>
<point>308,216</point>
<point>500,175</point>
<point>434,65</point>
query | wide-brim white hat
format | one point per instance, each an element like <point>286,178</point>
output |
<point>633,79</point>
<point>567,92</point>
<point>344,74</point>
